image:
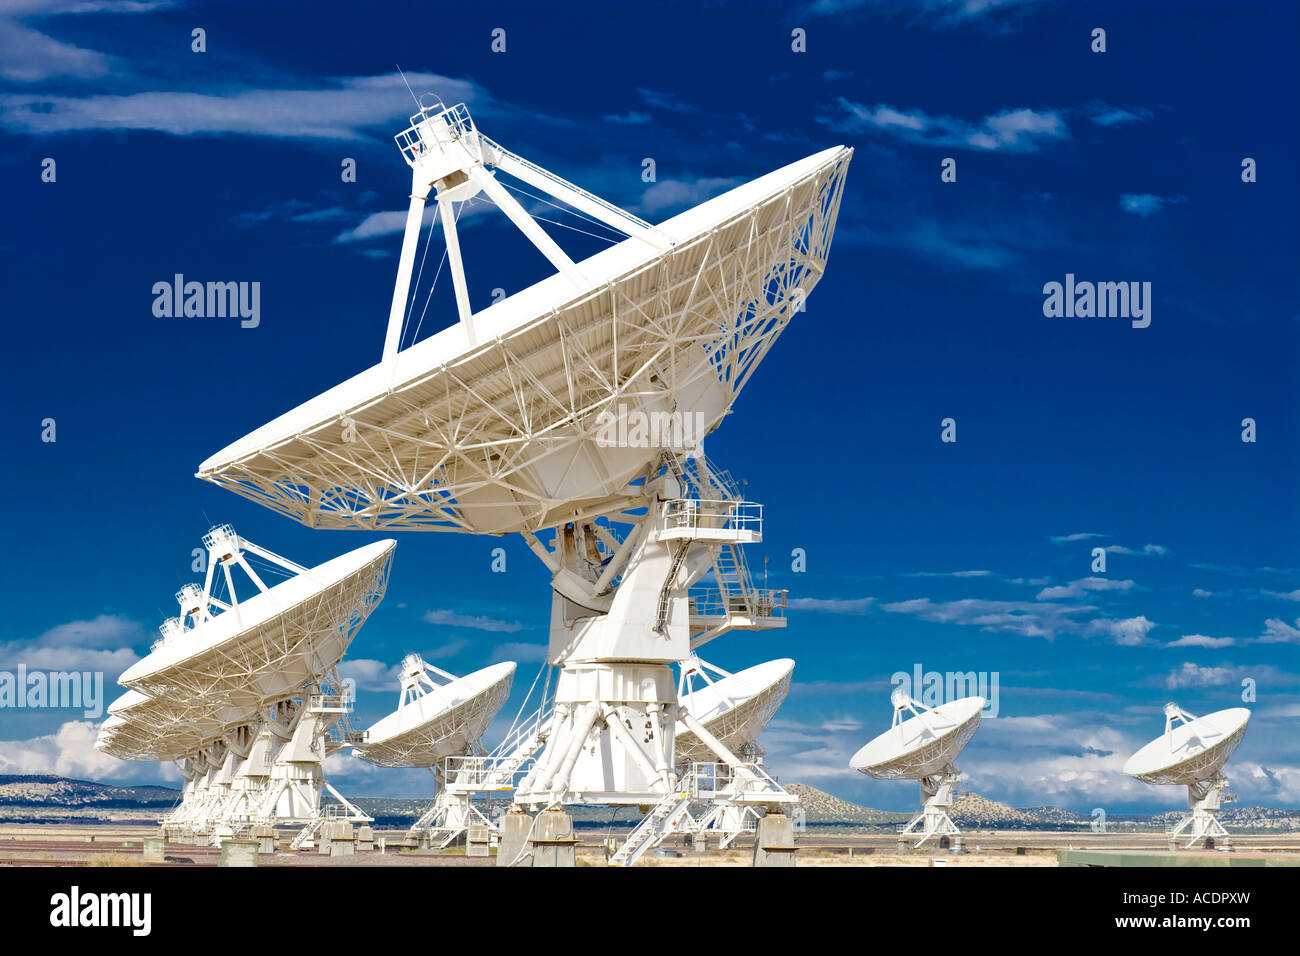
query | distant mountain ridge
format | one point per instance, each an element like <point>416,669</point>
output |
<point>25,795</point>
<point>50,791</point>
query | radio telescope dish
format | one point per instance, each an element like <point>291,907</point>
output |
<point>494,425</point>
<point>923,748</point>
<point>531,416</point>
<point>441,717</point>
<point>734,709</point>
<point>436,720</point>
<point>142,728</point>
<point>263,649</point>
<point>242,690</point>
<point>1191,753</point>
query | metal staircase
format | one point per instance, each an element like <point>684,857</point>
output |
<point>660,822</point>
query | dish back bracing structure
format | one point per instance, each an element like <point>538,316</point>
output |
<point>1191,753</point>
<point>242,690</point>
<point>572,413</point>
<point>439,716</point>
<point>923,747</point>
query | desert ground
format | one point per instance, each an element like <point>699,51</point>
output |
<point>122,845</point>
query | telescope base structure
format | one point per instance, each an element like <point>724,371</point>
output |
<point>1203,799</point>
<point>611,737</point>
<point>269,775</point>
<point>452,814</point>
<point>734,794</point>
<point>936,798</point>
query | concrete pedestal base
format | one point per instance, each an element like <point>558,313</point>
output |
<point>365,838</point>
<point>265,837</point>
<point>238,853</point>
<point>553,842</point>
<point>774,841</point>
<point>514,834</point>
<point>342,840</point>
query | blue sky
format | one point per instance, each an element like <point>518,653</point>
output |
<point>975,555</point>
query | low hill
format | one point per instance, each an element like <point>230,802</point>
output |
<point>51,791</point>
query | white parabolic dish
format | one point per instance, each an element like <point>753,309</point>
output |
<point>734,709</point>
<point>504,436</point>
<point>143,728</point>
<point>445,722</point>
<point>273,643</point>
<point>922,745</point>
<point>1191,752</point>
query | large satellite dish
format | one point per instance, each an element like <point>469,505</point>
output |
<point>435,720</point>
<point>923,747</point>
<point>1191,753</point>
<point>440,716</point>
<point>574,409</point>
<point>734,709</point>
<point>494,424</point>
<point>265,648</point>
<point>242,689</point>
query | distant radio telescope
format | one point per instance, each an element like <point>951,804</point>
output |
<point>1191,753</point>
<point>923,748</point>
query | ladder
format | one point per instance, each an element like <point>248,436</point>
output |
<point>660,821</point>
<point>679,557</point>
<point>308,832</point>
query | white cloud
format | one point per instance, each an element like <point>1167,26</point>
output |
<point>1194,675</point>
<point>1078,588</point>
<point>1103,114</point>
<point>342,110</point>
<point>1278,631</point>
<point>677,193</point>
<point>371,674</point>
<point>474,622</point>
<point>103,643</point>
<point>1201,592</point>
<point>1077,536</point>
<point>1129,632</point>
<point>1200,640</point>
<point>1013,130</point>
<point>70,752</point>
<point>1043,619</point>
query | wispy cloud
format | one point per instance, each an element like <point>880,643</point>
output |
<point>1080,587</point>
<point>1128,632</point>
<point>1020,130</point>
<point>940,14</point>
<point>630,118</point>
<point>341,109</point>
<point>1201,640</point>
<point>28,55</point>
<point>665,101</point>
<point>1103,114</point>
<point>680,193</point>
<point>1278,631</point>
<point>104,643</point>
<point>833,605</point>
<point>474,622</point>
<point>1077,536</point>
<point>1147,204</point>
